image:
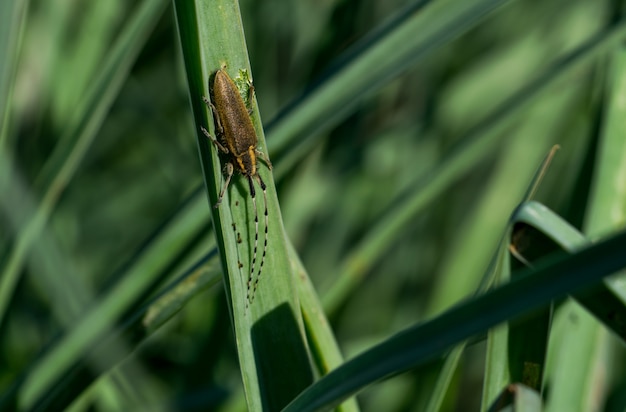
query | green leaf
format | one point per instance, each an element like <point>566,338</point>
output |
<point>271,343</point>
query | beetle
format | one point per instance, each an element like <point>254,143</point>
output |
<point>238,143</point>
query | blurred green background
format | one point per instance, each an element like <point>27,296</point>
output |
<point>143,163</point>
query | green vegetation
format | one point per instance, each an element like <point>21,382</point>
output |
<point>420,258</point>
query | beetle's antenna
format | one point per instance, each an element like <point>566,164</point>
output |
<point>258,276</point>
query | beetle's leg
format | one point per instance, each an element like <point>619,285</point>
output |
<point>216,117</point>
<point>215,142</point>
<point>229,169</point>
<point>264,157</point>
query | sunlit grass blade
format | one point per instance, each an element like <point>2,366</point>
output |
<point>273,353</point>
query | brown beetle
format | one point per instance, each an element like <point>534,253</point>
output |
<point>237,141</point>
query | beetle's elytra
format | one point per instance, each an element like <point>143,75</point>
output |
<point>237,141</point>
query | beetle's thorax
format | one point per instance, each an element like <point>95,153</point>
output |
<point>246,163</point>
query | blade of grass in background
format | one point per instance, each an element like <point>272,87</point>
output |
<point>418,344</point>
<point>479,139</point>
<point>498,272</point>
<point>498,366</point>
<point>586,388</point>
<point>600,300</point>
<point>71,149</point>
<point>71,296</point>
<point>61,167</point>
<point>413,34</point>
<point>12,19</point>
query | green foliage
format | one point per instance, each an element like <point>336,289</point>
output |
<point>404,139</point>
